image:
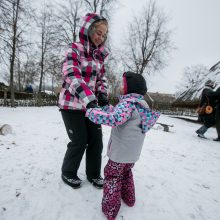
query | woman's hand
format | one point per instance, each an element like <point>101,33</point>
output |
<point>103,99</point>
<point>92,104</point>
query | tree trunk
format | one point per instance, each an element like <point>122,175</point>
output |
<point>12,60</point>
<point>52,85</point>
<point>19,77</point>
<point>12,81</point>
<point>39,101</point>
<point>5,97</point>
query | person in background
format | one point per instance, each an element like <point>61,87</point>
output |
<point>29,89</point>
<point>217,115</point>
<point>130,119</point>
<point>84,86</point>
<point>208,97</point>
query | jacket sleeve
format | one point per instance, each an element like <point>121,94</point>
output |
<point>72,76</point>
<point>109,115</point>
<point>101,82</point>
<point>149,120</point>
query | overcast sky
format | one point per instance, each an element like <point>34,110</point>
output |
<point>196,25</point>
<point>196,34</point>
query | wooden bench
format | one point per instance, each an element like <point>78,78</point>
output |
<point>165,126</point>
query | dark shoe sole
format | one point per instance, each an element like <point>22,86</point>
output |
<point>217,140</point>
<point>74,186</point>
<point>201,136</point>
<point>95,185</point>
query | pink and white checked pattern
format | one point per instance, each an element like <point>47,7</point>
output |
<point>83,71</point>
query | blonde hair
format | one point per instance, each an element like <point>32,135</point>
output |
<point>100,22</point>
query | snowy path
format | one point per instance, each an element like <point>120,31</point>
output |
<point>177,176</point>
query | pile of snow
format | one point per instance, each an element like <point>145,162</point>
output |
<point>5,129</point>
<point>176,178</point>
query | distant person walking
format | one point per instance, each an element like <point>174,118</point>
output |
<point>208,97</point>
<point>84,86</point>
<point>130,119</point>
<point>217,114</point>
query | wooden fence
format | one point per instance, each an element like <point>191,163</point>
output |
<point>30,99</point>
<point>26,99</point>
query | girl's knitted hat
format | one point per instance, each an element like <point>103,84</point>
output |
<point>134,83</point>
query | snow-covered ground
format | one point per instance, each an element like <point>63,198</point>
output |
<point>177,176</point>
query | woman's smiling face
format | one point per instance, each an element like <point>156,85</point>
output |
<point>99,34</point>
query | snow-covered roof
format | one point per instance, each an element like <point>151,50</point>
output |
<point>192,94</point>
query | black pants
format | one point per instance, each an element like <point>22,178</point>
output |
<point>84,136</point>
<point>218,122</point>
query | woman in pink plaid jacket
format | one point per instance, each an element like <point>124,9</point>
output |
<point>84,86</point>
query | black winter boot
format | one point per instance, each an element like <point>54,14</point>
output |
<point>74,182</point>
<point>216,139</point>
<point>97,182</point>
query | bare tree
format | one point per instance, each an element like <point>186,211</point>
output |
<point>102,7</point>
<point>68,18</point>
<point>14,17</point>
<point>148,43</point>
<point>192,82</point>
<point>27,70</point>
<point>193,76</point>
<point>112,73</point>
<point>54,71</point>
<point>3,13</point>
<point>48,40</point>
<point>14,35</point>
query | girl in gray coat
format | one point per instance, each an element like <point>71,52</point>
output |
<point>130,119</point>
